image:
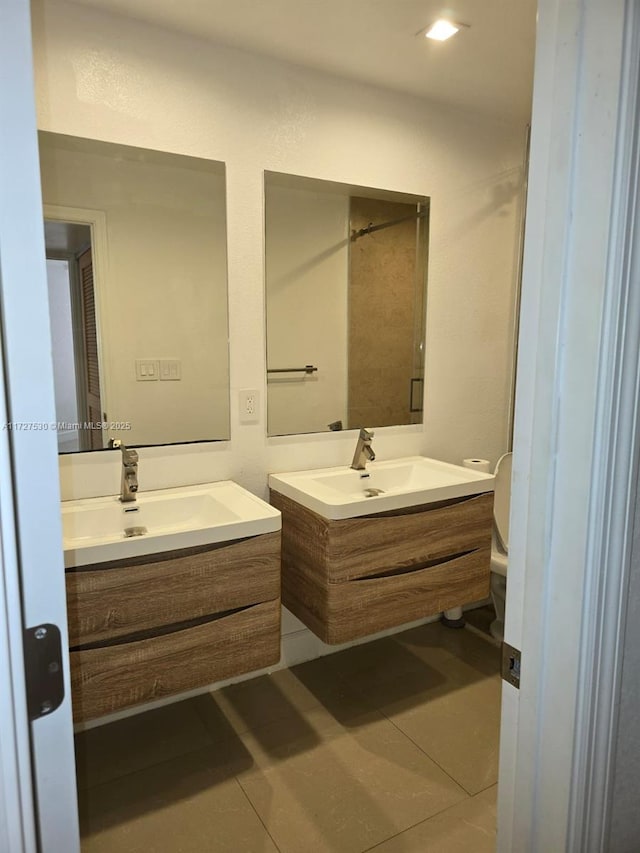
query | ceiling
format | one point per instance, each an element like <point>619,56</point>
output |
<point>487,67</point>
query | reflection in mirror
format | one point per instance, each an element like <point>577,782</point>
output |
<point>345,292</point>
<point>137,274</point>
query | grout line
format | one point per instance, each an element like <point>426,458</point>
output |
<point>210,743</point>
<point>266,829</point>
<point>119,777</point>
<point>478,632</point>
<point>424,752</point>
<point>493,785</point>
<point>418,823</point>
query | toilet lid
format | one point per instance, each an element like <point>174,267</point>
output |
<point>502,499</point>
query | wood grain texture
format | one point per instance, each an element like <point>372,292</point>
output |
<point>332,571</point>
<point>105,680</point>
<point>357,608</point>
<point>368,545</point>
<point>105,603</point>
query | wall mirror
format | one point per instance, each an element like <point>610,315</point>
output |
<point>137,275</point>
<point>346,271</point>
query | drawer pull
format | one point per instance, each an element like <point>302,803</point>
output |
<point>137,636</point>
<point>416,567</point>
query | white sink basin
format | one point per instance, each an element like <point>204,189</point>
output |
<point>342,492</point>
<point>94,530</point>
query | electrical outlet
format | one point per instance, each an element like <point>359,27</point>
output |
<point>249,407</point>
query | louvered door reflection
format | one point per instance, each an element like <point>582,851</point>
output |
<point>93,437</point>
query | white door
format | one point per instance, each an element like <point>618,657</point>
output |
<point>40,810</point>
<point>575,418</point>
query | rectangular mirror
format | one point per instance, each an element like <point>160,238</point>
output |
<point>137,274</point>
<point>346,271</point>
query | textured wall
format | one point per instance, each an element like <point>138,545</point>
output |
<point>382,293</point>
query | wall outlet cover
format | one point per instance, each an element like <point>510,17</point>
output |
<point>249,408</point>
<point>170,369</point>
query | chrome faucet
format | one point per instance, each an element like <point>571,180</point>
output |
<point>129,481</point>
<point>364,452</point>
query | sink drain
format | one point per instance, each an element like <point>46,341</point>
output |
<point>134,531</point>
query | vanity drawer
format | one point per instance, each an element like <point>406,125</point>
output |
<point>362,606</point>
<point>371,544</point>
<point>112,600</point>
<point>350,548</point>
<point>129,672</point>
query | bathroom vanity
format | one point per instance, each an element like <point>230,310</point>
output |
<point>158,620</point>
<point>366,551</point>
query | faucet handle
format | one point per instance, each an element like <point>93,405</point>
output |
<point>129,455</point>
<point>366,434</point>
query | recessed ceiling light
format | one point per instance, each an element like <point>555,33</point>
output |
<point>442,30</point>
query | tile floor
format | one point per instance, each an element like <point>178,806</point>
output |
<point>481,618</point>
<point>389,747</point>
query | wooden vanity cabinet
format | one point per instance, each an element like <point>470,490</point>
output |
<point>349,578</point>
<point>145,628</point>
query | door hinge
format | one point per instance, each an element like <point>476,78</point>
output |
<point>511,665</point>
<point>43,669</point>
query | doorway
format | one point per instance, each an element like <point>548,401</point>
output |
<point>74,321</point>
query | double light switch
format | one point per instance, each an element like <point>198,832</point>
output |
<point>152,369</point>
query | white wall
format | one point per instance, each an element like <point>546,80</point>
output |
<point>163,292</point>
<point>64,368</point>
<point>145,86</point>
<point>135,84</point>
<point>307,277</point>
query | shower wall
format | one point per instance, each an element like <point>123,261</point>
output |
<point>382,301</point>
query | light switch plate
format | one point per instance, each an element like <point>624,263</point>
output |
<point>147,370</point>
<point>170,369</point>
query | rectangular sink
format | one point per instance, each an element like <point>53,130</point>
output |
<point>97,530</point>
<point>336,493</point>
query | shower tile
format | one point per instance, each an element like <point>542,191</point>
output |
<point>364,386</point>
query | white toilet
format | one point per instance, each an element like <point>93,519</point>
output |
<point>500,543</point>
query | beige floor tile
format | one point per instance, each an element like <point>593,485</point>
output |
<point>481,618</point>
<point>260,701</point>
<point>434,643</point>
<point>458,729</point>
<point>418,666</point>
<point>182,806</point>
<point>415,667</point>
<point>114,750</point>
<point>344,786</point>
<point>468,827</point>
<point>383,659</point>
